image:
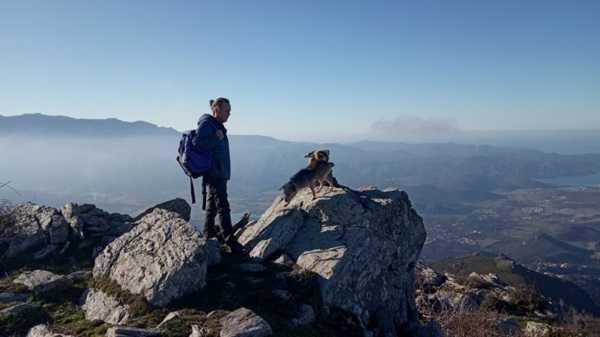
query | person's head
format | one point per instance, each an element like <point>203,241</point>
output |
<point>221,109</point>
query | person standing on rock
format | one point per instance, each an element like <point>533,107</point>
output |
<point>212,135</point>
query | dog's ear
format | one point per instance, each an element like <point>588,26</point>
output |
<point>310,154</point>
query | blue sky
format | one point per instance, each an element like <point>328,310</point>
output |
<point>308,70</point>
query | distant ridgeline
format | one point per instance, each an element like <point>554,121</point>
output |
<point>39,124</point>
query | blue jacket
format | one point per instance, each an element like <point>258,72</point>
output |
<point>207,140</point>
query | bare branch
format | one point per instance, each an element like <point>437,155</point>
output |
<point>7,185</point>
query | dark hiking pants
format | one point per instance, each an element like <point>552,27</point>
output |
<point>217,204</point>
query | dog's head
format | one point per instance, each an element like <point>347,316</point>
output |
<point>316,156</point>
<point>289,191</point>
<point>319,155</point>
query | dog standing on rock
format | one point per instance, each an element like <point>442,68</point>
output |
<point>308,177</point>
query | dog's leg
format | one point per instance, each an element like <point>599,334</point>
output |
<point>320,184</point>
<point>312,189</point>
<point>330,180</point>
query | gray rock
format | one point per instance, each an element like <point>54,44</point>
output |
<point>163,258</point>
<point>306,316</point>
<point>509,326</point>
<point>93,225</point>
<point>536,329</point>
<point>178,205</point>
<point>44,252</point>
<point>431,329</point>
<point>116,228</point>
<point>285,260</point>
<point>43,331</point>
<point>118,331</point>
<point>78,275</point>
<point>19,308</point>
<point>94,211</point>
<point>99,306</point>
<point>244,323</point>
<point>12,297</point>
<point>58,232</point>
<point>170,316</point>
<point>282,294</point>
<point>456,300</point>
<point>71,212</point>
<point>428,278</point>
<point>213,248</point>
<point>42,281</point>
<point>35,225</point>
<point>489,280</point>
<point>197,331</point>
<point>362,246</point>
<point>28,231</point>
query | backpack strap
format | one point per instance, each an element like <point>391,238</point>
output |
<point>192,191</point>
<point>203,193</point>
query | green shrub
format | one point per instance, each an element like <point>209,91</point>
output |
<point>19,324</point>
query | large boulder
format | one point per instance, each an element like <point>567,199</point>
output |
<point>362,245</point>
<point>163,258</point>
<point>177,205</point>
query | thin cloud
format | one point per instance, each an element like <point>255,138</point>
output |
<point>413,125</point>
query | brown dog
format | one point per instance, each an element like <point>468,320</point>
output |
<point>306,177</point>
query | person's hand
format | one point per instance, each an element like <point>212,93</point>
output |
<point>219,134</point>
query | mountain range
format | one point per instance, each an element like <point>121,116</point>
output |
<point>39,124</point>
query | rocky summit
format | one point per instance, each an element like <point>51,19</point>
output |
<point>345,263</point>
<point>362,245</point>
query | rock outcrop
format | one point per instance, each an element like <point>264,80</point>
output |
<point>43,230</point>
<point>486,294</point>
<point>163,258</point>
<point>363,245</point>
<point>346,261</point>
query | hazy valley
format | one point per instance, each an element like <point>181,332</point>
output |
<point>473,198</point>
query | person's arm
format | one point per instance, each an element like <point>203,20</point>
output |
<point>206,137</point>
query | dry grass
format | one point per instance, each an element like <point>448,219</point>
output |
<point>486,321</point>
<point>578,324</point>
<point>463,323</point>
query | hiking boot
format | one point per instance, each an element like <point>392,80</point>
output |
<point>237,248</point>
<point>214,236</point>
